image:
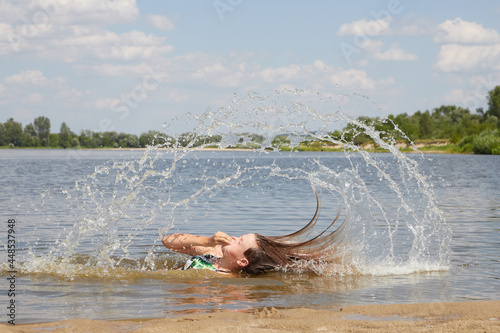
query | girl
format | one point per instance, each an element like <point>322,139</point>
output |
<point>256,254</point>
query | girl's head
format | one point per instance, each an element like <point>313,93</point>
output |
<point>255,254</point>
<point>266,256</point>
<point>235,252</point>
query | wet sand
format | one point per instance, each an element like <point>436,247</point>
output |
<point>480,316</point>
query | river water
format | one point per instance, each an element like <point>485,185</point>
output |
<point>422,228</point>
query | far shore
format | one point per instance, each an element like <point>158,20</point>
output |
<point>474,316</point>
<point>432,148</point>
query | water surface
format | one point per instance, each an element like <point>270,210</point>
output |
<point>89,229</point>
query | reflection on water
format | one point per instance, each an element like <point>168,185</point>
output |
<point>187,292</point>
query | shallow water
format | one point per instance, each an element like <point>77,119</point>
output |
<point>89,246</point>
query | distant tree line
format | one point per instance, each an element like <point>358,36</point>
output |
<point>37,134</point>
<point>477,132</point>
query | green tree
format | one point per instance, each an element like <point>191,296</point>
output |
<point>110,139</point>
<point>42,126</point>
<point>65,136</point>
<point>280,140</point>
<point>494,102</point>
<point>186,139</point>
<point>54,140</point>
<point>3,135</point>
<point>128,140</point>
<point>96,139</point>
<point>14,132</point>
<point>90,139</point>
<point>151,138</point>
<point>74,141</point>
<point>148,139</point>
<point>486,142</point>
<point>87,140</point>
<point>407,125</point>
<point>30,129</point>
<point>30,138</point>
<point>425,125</point>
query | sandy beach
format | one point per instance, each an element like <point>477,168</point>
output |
<point>480,316</point>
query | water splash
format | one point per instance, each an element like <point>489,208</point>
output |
<point>120,211</point>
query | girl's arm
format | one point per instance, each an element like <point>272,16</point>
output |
<point>195,245</point>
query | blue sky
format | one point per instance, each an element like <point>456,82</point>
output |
<point>131,66</point>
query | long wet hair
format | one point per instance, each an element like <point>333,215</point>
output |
<point>281,252</point>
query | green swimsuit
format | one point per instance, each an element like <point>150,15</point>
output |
<point>201,262</point>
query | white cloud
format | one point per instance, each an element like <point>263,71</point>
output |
<point>394,53</point>
<point>176,97</point>
<point>69,30</point>
<point>208,71</point>
<point>34,99</point>
<point>29,77</point>
<point>365,28</point>
<point>106,45</point>
<point>5,29</point>
<point>199,68</point>
<point>7,44</point>
<point>320,65</point>
<point>161,22</point>
<point>280,74</point>
<point>121,70</point>
<point>230,79</point>
<point>455,96</point>
<point>413,26</point>
<point>69,11</point>
<point>457,54</point>
<point>467,99</point>
<point>105,103</point>
<point>10,11</point>
<point>372,45</point>
<point>357,79</point>
<point>455,57</point>
<point>70,95</point>
<point>89,11</point>
<point>484,83</point>
<point>25,86</point>
<point>388,26</point>
<point>460,31</point>
<point>203,70</point>
<point>218,74</point>
<point>319,75</point>
<point>412,30</point>
<point>2,89</point>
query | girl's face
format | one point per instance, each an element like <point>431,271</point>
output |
<point>237,248</point>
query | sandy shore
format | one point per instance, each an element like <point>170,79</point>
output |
<point>429,317</point>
